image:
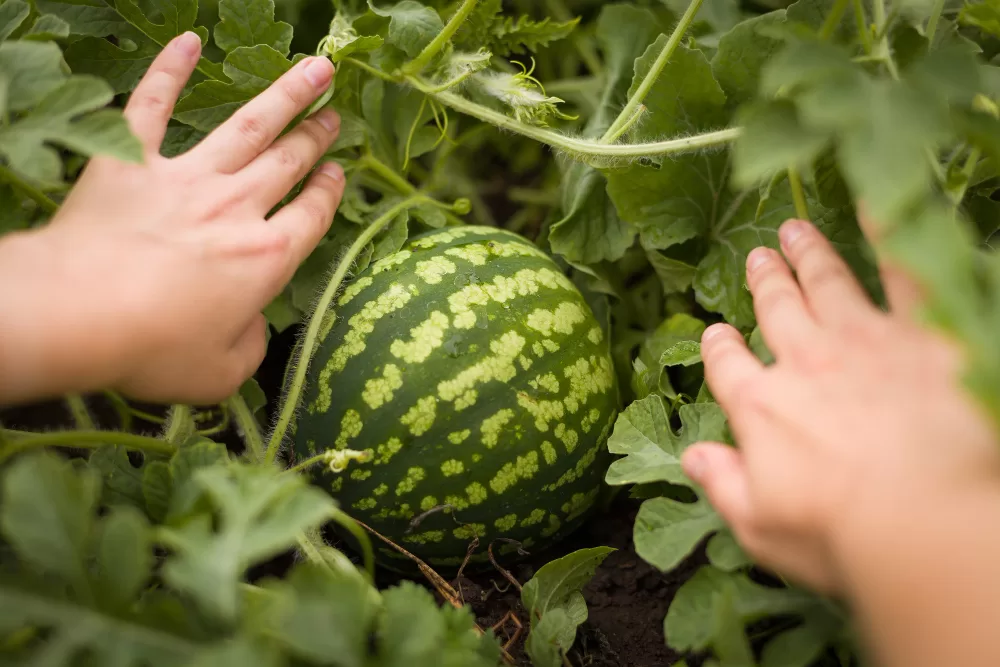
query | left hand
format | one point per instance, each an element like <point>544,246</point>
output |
<point>159,271</point>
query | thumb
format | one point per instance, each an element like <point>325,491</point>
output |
<point>720,471</point>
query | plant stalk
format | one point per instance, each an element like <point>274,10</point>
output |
<point>424,58</point>
<point>78,409</point>
<point>582,147</point>
<point>87,440</point>
<point>291,402</point>
<point>833,19</point>
<point>14,179</point>
<point>248,427</point>
<point>932,21</point>
<point>654,72</point>
<point>798,194</point>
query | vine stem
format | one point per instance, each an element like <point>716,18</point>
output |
<point>798,194</point>
<point>315,322</point>
<point>28,189</point>
<point>87,440</point>
<point>932,22</point>
<point>424,57</point>
<point>78,409</point>
<point>654,72</point>
<point>581,146</point>
<point>247,425</point>
<point>180,424</point>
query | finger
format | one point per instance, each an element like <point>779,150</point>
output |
<point>832,292</point>
<point>257,124</point>
<point>308,217</point>
<point>729,364</point>
<point>902,292</point>
<point>247,353</point>
<point>152,103</point>
<point>777,300</point>
<point>720,471</point>
<point>275,172</point>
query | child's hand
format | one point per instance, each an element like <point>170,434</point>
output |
<point>172,261</point>
<point>859,430</point>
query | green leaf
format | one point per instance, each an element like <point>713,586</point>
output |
<point>48,27</point>
<point>47,514</point>
<point>178,16</point>
<point>122,482</point>
<point>68,117</point>
<point>743,52</point>
<point>555,604</point>
<point>12,15</point>
<point>591,230</point>
<point>525,34</point>
<point>553,635</point>
<point>249,23</point>
<point>773,140</point>
<point>119,67</point>
<point>251,68</point>
<point>478,27</point>
<point>93,18</point>
<point>157,488</point>
<point>652,450</point>
<point>667,531</point>
<point>125,556</point>
<point>675,329</point>
<point>984,15</point>
<point>343,40</point>
<point>683,353</point>
<point>32,70</point>
<point>320,615</point>
<point>412,26</point>
<point>690,624</point>
<point>413,632</point>
<point>260,513</point>
<point>725,553</point>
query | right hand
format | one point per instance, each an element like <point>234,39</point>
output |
<point>860,429</point>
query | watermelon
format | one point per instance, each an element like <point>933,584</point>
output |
<point>475,375</point>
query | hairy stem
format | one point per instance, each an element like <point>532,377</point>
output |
<point>424,57</point>
<point>629,124</point>
<point>86,440</point>
<point>291,402</point>
<point>932,22</point>
<point>833,19</point>
<point>581,147</point>
<point>248,427</point>
<point>351,526</point>
<point>180,424</point>
<point>81,415</point>
<point>654,72</point>
<point>862,25</point>
<point>386,173</point>
<point>374,71</point>
<point>27,189</point>
<point>798,194</point>
<point>122,407</point>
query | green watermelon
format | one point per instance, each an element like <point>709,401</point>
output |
<point>478,379</point>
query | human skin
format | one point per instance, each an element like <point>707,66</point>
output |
<point>864,469</point>
<point>151,277</point>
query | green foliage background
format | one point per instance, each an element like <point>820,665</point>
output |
<point>649,145</point>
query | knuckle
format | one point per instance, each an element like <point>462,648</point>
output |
<point>253,130</point>
<point>288,158</point>
<point>315,209</point>
<point>824,271</point>
<point>293,91</point>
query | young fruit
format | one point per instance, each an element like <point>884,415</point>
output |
<point>476,376</point>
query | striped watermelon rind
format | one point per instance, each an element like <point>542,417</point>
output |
<point>479,380</point>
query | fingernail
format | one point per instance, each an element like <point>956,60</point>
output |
<point>694,465</point>
<point>189,44</point>
<point>333,170</point>
<point>758,258</point>
<point>328,119</point>
<point>712,332</point>
<point>318,72</point>
<point>791,231</point>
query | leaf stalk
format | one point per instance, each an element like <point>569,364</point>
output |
<point>424,58</point>
<point>654,73</point>
<point>291,402</point>
<point>86,440</point>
